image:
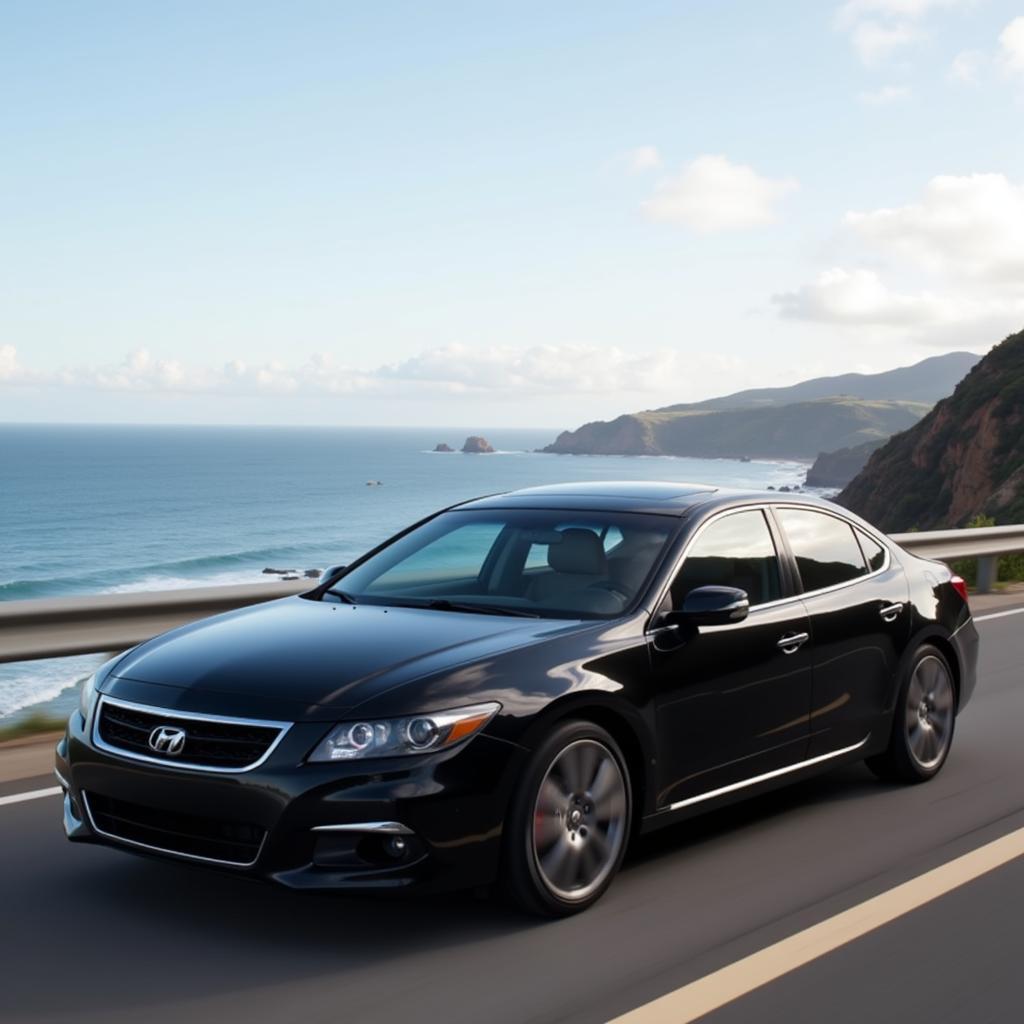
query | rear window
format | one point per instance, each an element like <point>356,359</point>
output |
<point>873,551</point>
<point>825,547</point>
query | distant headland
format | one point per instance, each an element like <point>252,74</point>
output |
<point>826,415</point>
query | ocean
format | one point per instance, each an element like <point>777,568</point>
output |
<point>102,509</point>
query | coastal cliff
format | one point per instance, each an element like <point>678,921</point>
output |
<point>965,458</point>
<point>837,469</point>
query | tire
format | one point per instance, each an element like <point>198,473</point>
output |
<point>568,824</point>
<point>923,721</point>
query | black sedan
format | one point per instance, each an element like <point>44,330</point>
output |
<point>506,692</point>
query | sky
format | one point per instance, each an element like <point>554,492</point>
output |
<point>526,214</point>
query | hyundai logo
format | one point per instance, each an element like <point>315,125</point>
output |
<point>165,739</point>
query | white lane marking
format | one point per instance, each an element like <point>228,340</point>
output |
<point>35,794</point>
<point>744,976</point>
<point>998,615</point>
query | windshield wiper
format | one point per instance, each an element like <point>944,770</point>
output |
<point>444,605</point>
<point>348,599</point>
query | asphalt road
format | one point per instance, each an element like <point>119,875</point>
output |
<point>91,934</point>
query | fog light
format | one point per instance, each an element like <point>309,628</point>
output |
<point>396,847</point>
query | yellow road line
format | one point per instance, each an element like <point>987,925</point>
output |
<point>744,976</point>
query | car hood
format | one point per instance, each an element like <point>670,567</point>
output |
<point>306,657</point>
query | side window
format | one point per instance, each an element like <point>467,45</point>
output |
<point>612,539</point>
<point>825,548</point>
<point>873,551</point>
<point>734,551</point>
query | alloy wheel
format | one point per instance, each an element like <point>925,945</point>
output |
<point>579,820</point>
<point>929,712</point>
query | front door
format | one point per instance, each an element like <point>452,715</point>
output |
<point>732,700</point>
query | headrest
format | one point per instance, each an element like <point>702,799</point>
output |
<point>579,552</point>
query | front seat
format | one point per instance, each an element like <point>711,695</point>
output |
<point>577,562</point>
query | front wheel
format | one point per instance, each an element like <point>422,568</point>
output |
<point>923,722</point>
<point>567,828</point>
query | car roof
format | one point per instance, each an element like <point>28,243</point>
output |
<point>648,496</point>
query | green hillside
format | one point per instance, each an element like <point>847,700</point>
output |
<point>796,431</point>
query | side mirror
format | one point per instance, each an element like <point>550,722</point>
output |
<point>711,606</point>
<point>330,572</point>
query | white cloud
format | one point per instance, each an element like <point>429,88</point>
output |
<point>859,300</point>
<point>644,158</point>
<point>9,369</point>
<point>854,10</point>
<point>714,194</point>
<point>558,369</point>
<point>874,42</point>
<point>1011,46</point>
<point>859,297</point>
<point>879,28</point>
<point>958,251</point>
<point>971,225</point>
<point>454,370</point>
<point>967,66</point>
<point>886,95</point>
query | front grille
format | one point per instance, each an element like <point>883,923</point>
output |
<point>184,835</point>
<point>214,744</point>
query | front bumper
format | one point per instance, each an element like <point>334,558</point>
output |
<point>433,822</point>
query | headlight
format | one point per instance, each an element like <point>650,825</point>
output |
<point>87,696</point>
<point>392,737</point>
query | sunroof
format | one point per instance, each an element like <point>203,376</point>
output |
<point>646,490</point>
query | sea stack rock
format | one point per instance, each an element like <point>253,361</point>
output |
<point>442,447</point>
<point>477,446</point>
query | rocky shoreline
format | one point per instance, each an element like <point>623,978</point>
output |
<point>473,445</point>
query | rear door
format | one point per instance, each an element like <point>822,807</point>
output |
<point>856,596</point>
<point>732,700</point>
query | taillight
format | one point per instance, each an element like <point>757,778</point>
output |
<point>959,586</point>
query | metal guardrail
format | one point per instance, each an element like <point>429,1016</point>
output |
<point>59,626</point>
<point>986,544</point>
<point>55,627</point>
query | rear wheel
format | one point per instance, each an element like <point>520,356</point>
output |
<point>567,829</point>
<point>923,722</point>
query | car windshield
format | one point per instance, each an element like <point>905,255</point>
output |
<point>514,562</point>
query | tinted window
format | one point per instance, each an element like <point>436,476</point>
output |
<point>873,551</point>
<point>825,548</point>
<point>734,551</point>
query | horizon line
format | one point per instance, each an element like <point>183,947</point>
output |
<point>269,426</point>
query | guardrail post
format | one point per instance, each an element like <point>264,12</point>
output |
<point>988,571</point>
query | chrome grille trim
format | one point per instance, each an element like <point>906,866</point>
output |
<point>387,828</point>
<point>186,716</point>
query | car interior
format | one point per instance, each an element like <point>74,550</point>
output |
<point>584,568</point>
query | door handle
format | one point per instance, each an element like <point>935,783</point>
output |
<point>792,643</point>
<point>889,612</point>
